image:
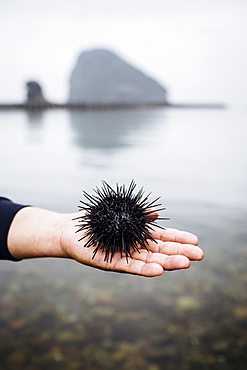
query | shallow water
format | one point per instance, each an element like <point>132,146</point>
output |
<point>57,314</point>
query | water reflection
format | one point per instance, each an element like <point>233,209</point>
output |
<point>107,130</point>
<point>35,117</point>
<point>35,125</point>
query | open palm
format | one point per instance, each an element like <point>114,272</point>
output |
<point>173,250</point>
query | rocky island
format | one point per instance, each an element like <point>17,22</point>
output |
<point>101,76</point>
<point>35,96</point>
<point>103,80</point>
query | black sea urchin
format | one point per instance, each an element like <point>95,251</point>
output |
<point>117,220</point>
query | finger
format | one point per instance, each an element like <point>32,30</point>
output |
<point>174,235</point>
<point>173,262</point>
<point>120,264</point>
<point>144,263</point>
<point>136,267</point>
<point>148,264</point>
<point>192,252</point>
<point>152,216</point>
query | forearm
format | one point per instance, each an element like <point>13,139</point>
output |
<point>35,233</point>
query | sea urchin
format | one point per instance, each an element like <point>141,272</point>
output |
<point>117,220</point>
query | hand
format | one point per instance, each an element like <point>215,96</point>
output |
<point>37,232</point>
<point>173,251</point>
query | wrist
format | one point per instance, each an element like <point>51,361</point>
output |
<point>36,233</point>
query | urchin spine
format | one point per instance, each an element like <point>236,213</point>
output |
<point>117,221</point>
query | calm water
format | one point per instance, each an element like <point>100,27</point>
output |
<point>60,315</point>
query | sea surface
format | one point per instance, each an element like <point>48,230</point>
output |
<point>58,314</point>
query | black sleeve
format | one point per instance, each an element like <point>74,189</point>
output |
<point>8,211</point>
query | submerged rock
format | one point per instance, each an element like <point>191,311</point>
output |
<point>100,76</point>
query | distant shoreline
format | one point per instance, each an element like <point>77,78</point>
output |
<point>108,106</point>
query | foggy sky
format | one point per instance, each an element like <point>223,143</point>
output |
<point>195,48</point>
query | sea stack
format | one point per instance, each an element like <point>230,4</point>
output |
<point>102,77</point>
<point>35,98</point>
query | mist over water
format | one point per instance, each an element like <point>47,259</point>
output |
<point>57,314</point>
<point>183,155</point>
